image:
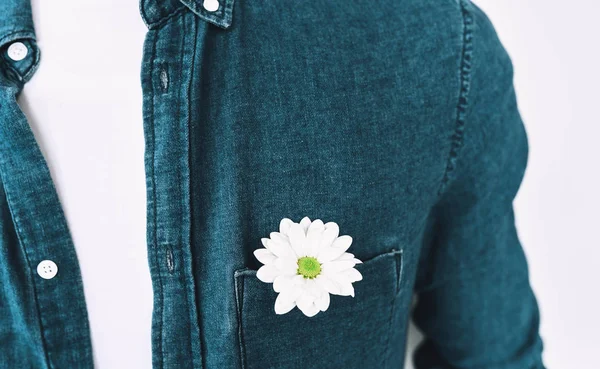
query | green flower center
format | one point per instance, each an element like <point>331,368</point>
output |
<point>309,267</point>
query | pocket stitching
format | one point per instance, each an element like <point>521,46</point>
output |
<point>399,262</point>
<point>399,258</point>
<point>239,285</point>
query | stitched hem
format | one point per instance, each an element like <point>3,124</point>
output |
<point>463,100</point>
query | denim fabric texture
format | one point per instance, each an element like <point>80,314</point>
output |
<point>395,119</point>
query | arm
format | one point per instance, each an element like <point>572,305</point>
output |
<point>475,304</point>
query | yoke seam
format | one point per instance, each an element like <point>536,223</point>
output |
<point>463,96</point>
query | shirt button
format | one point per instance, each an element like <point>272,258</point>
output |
<point>47,269</point>
<point>17,51</point>
<point>211,5</point>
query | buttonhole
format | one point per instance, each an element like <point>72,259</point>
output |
<point>170,259</point>
<point>163,77</point>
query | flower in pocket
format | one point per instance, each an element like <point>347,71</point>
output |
<point>306,262</point>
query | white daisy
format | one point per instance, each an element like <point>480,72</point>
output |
<point>306,262</point>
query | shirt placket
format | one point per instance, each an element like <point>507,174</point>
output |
<point>175,37</point>
<point>166,76</point>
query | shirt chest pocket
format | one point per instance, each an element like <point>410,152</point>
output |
<point>352,333</point>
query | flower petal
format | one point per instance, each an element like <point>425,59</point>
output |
<point>337,249</point>
<point>327,254</point>
<point>286,300</point>
<point>297,239</point>
<point>323,301</point>
<point>287,265</point>
<point>280,249</point>
<point>264,256</point>
<point>305,223</point>
<point>311,311</point>
<point>313,288</point>
<point>299,280</point>
<point>267,273</point>
<point>283,306</point>
<point>280,238</point>
<point>342,242</point>
<point>346,288</point>
<point>315,229</point>
<point>334,267</point>
<point>282,283</point>
<point>352,275</point>
<point>313,237</point>
<point>284,226</point>
<point>328,284</point>
<point>306,304</point>
<point>345,256</point>
<point>331,232</point>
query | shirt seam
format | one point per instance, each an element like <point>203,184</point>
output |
<point>185,245</point>
<point>464,72</point>
<point>194,298</point>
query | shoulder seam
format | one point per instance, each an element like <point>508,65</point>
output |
<point>463,98</point>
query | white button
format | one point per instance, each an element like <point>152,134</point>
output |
<point>47,269</point>
<point>17,51</point>
<point>211,5</point>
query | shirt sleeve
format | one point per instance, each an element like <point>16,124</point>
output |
<point>475,305</point>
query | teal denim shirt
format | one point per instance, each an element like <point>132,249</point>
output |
<point>395,119</point>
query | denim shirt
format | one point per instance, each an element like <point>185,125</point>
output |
<point>395,119</point>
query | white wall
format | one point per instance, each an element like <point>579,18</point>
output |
<point>555,49</point>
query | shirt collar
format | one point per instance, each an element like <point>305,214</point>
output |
<point>155,12</point>
<point>16,24</point>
